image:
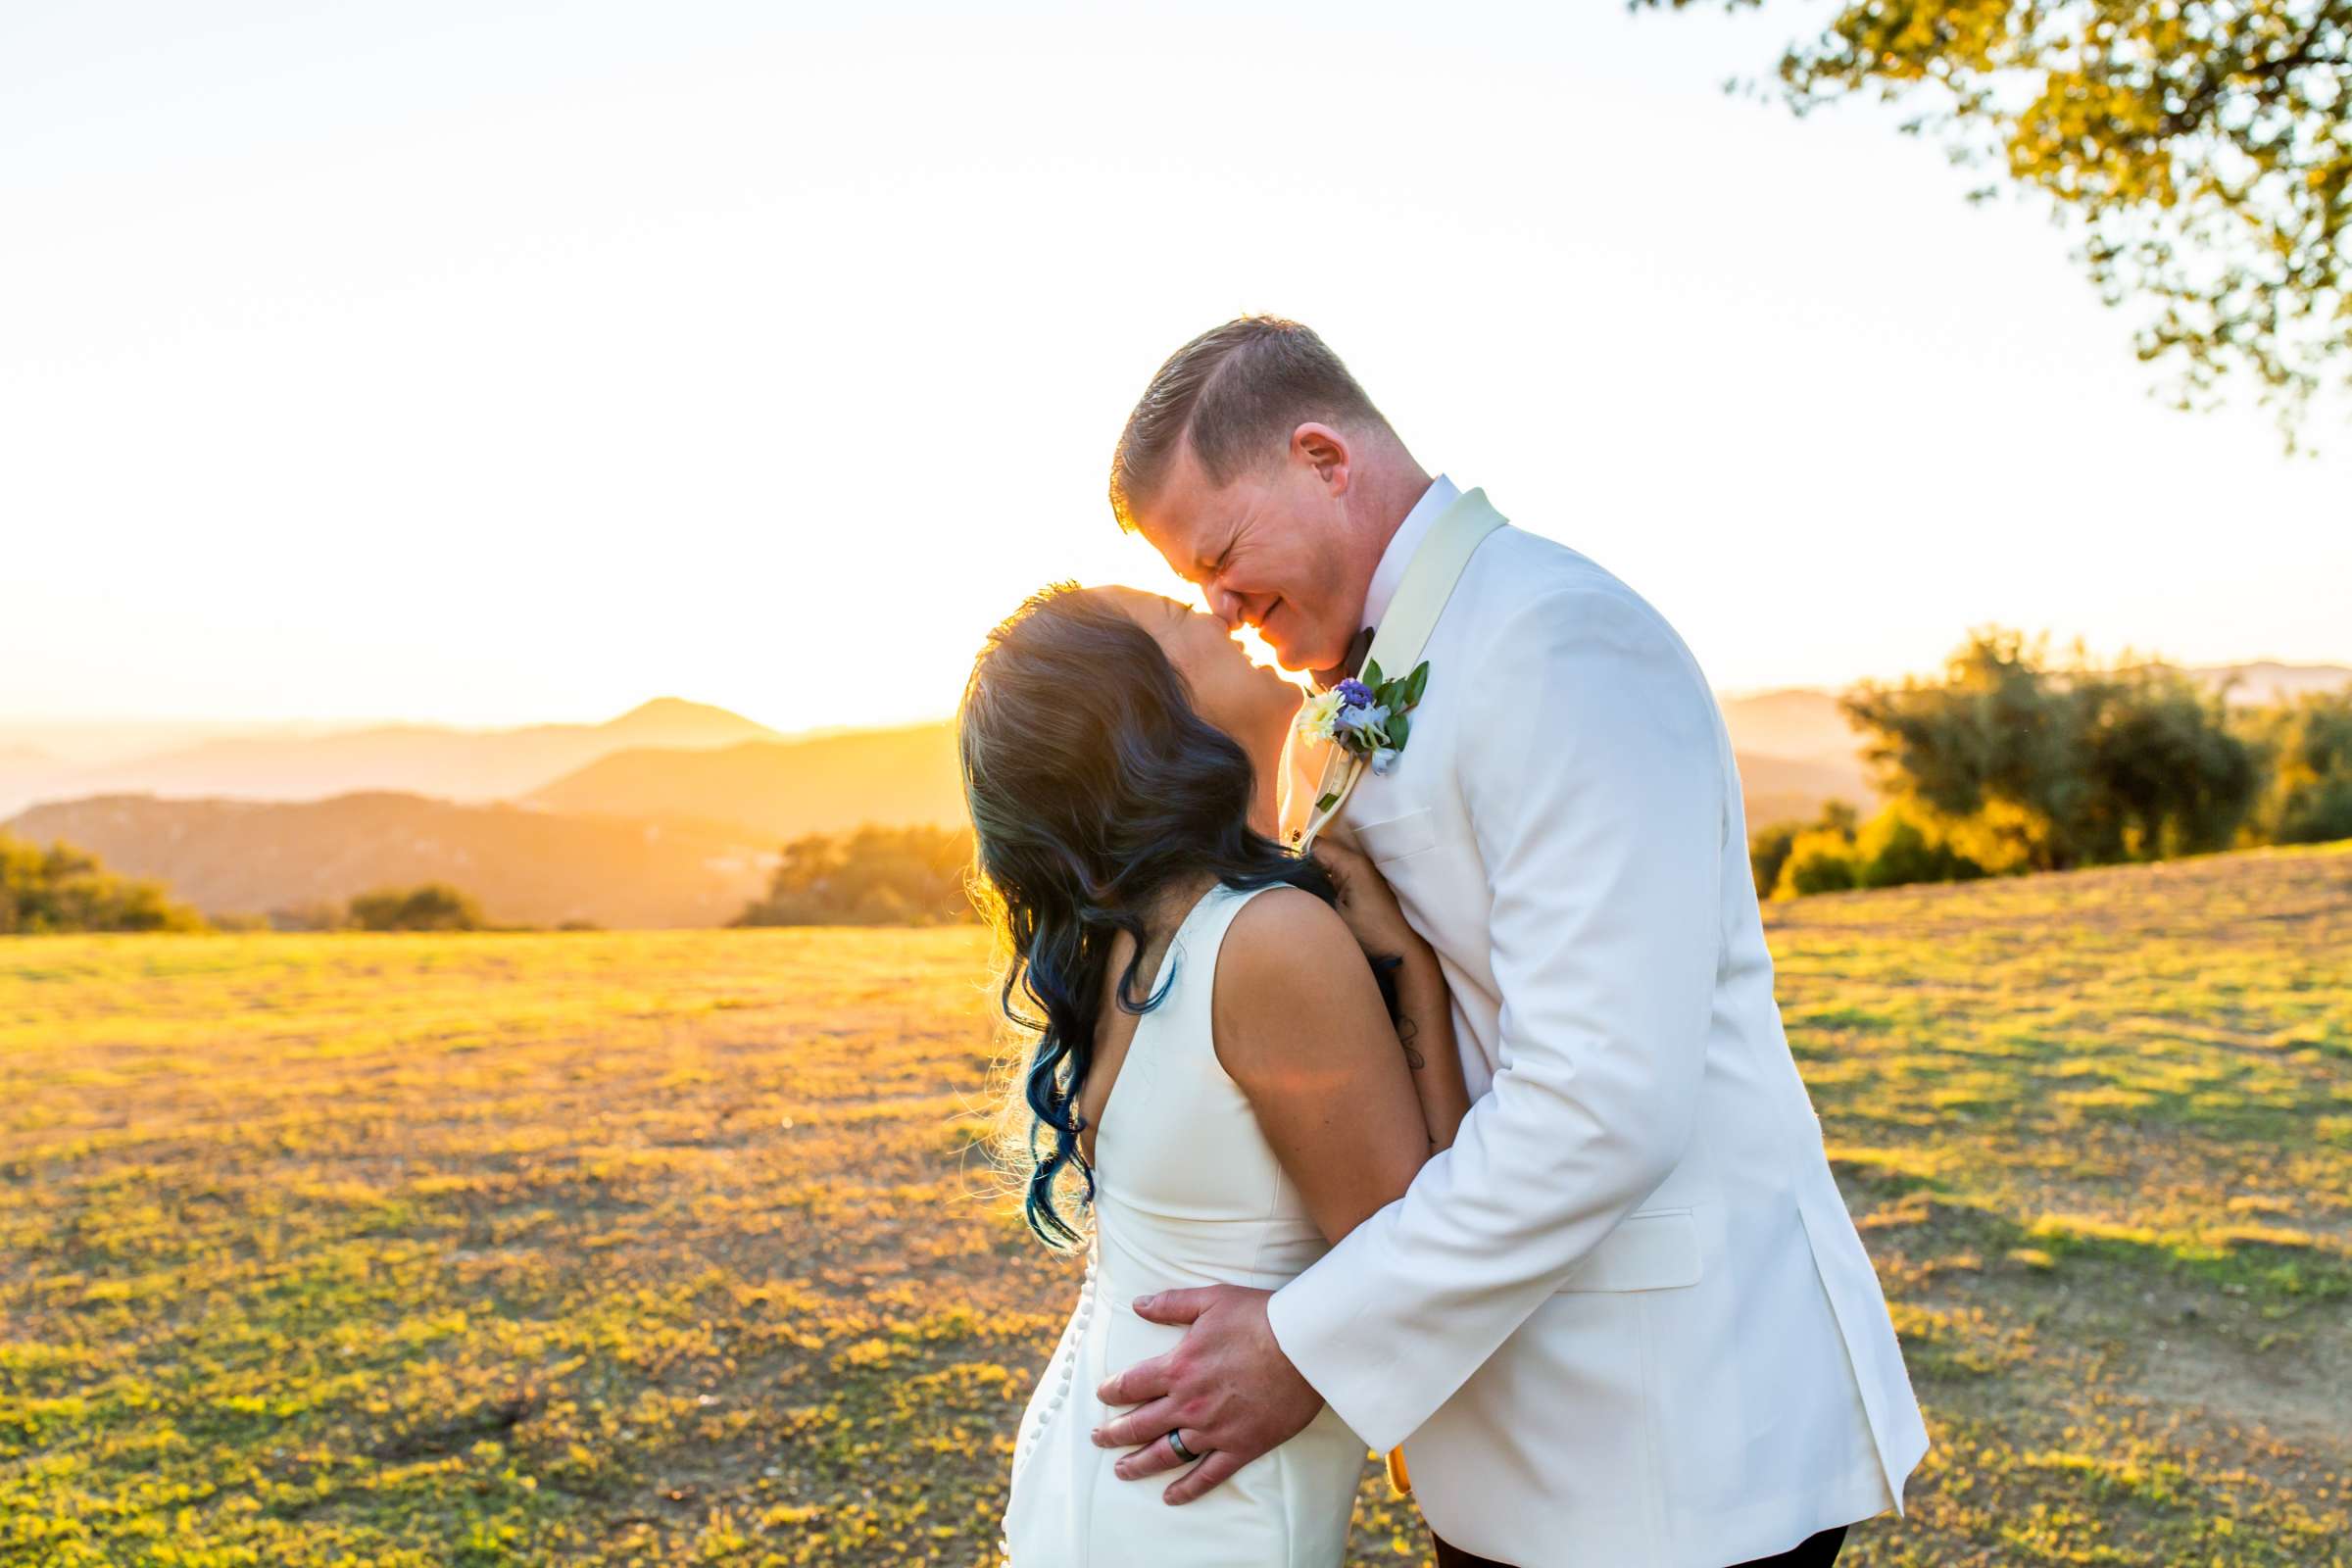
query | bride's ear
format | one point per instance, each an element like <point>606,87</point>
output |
<point>1326,451</point>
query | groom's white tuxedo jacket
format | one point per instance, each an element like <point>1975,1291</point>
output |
<point>1625,1319</point>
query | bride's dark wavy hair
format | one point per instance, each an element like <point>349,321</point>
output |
<point>1094,786</point>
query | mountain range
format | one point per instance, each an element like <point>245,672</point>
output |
<point>452,765</point>
<point>774,791</point>
<point>669,815</point>
<point>2269,681</point>
<point>284,857</point>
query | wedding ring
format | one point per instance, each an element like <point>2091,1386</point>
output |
<point>1176,1447</point>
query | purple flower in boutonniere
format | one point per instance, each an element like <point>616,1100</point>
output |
<point>1367,717</point>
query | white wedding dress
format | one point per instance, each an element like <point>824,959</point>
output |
<point>1187,1192</point>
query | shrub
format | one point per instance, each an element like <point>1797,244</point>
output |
<point>64,888</point>
<point>1769,848</point>
<point>426,907</point>
<point>1897,846</point>
<point>1821,860</point>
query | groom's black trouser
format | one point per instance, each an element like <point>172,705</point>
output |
<point>1815,1551</point>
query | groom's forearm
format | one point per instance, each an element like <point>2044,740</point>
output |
<point>1425,1034</point>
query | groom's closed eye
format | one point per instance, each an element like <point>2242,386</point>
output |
<point>1215,570</point>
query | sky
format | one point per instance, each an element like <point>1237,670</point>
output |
<point>493,362</point>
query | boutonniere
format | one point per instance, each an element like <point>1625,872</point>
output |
<point>1365,716</point>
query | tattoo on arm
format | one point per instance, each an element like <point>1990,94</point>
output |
<point>1405,1031</point>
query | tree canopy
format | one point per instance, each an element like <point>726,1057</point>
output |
<point>2035,763</point>
<point>2308,746</point>
<point>2203,146</point>
<point>875,876</point>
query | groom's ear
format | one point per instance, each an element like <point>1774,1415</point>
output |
<point>1327,452</point>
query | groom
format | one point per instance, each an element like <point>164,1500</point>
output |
<point>1625,1319</point>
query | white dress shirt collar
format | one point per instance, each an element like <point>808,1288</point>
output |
<point>1440,494</point>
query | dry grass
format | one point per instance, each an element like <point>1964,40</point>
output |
<point>668,1247</point>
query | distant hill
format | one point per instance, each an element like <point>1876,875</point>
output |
<point>1796,723</point>
<point>454,765</point>
<point>897,777</point>
<point>1797,754</point>
<point>1805,720</point>
<point>526,866</point>
<point>2268,681</point>
<point>89,742</point>
<point>1780,789</point>
<point>777,790</point>
<point>722,782</point>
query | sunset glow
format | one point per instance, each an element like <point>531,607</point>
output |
<point>449,362</point>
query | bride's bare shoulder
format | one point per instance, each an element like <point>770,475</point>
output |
<point>1277,929</point>
<point>1289,972</point>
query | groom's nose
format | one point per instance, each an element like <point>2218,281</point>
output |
<point>1228,607</point>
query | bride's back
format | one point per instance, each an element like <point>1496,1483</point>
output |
<point>1185,1185</point>
<point>1187,1192</point>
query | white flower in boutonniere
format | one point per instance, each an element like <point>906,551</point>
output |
<point>1367,717</point>
<point>1318,719</point>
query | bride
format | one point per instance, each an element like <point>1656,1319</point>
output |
<point>1219,1090</point>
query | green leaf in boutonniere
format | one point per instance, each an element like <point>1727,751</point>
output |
<point>1366,716</point>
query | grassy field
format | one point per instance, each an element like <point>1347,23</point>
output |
<point>672,1248</point>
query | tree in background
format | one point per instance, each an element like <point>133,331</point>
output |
<point>2022,765</point>
<point>2308,746</point>
<point>2204,147</point>
<point>64,888</point>
<point>875,876</point>
<point>426,907</point>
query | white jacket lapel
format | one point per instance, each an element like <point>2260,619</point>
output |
<point>1421,598</point>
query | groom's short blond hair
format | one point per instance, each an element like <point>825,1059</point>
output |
<point>1235,394</point>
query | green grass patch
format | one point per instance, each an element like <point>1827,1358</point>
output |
<point>616,1248</point>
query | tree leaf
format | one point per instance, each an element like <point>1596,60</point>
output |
<point>1371,674</point>
<point>2204,181</point>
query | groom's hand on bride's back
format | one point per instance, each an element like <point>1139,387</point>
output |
<point>1226,1386</point>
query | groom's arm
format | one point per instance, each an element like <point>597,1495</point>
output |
<point>1594,779</point>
